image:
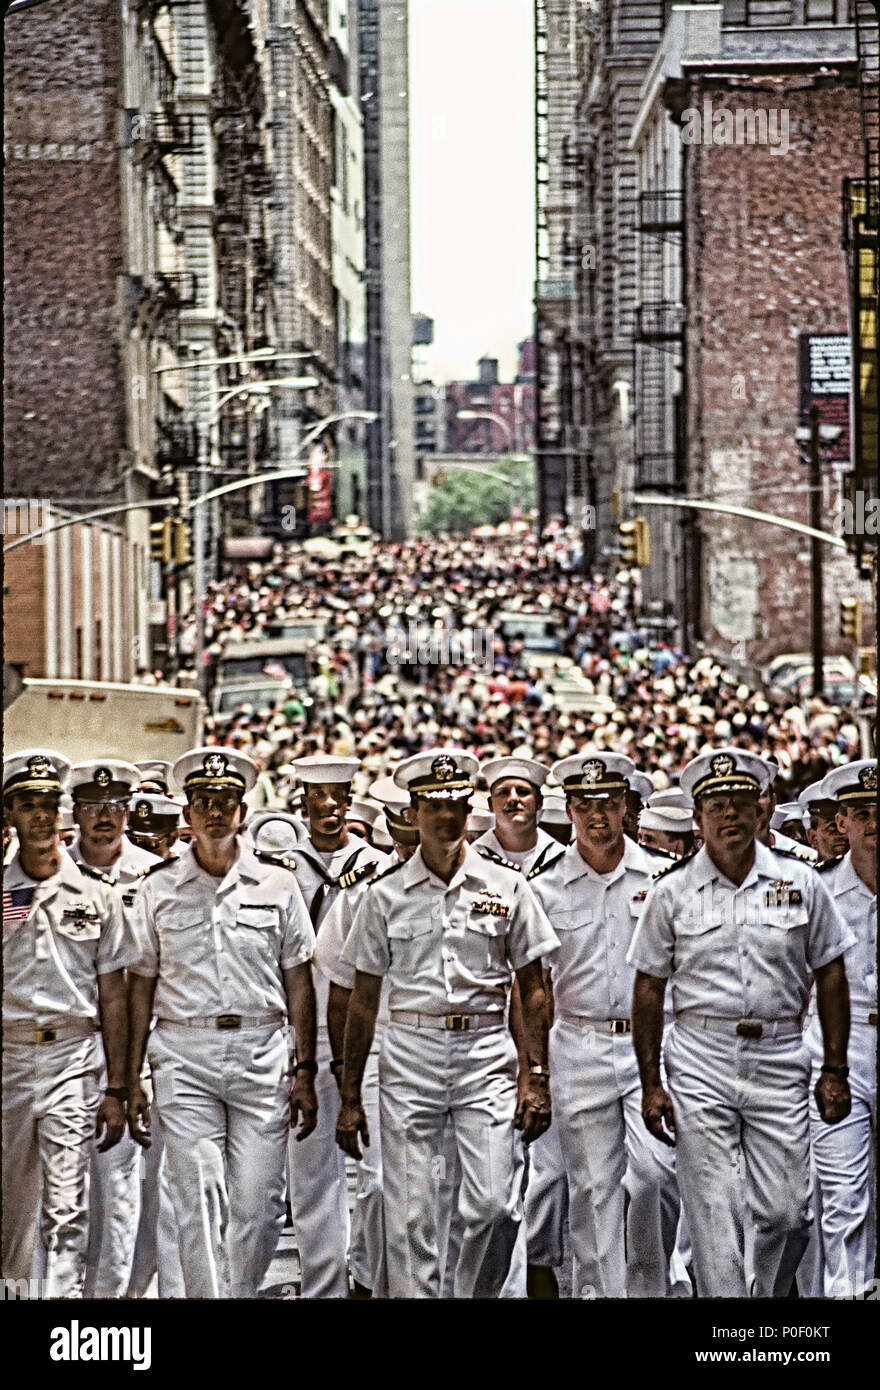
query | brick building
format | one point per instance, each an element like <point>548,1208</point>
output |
<point>748,124</point>
<point>511,402</point>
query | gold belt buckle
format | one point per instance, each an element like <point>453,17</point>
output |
<point>227,1022</point>
<point>457,1023</point>
<point>44,1035</point>
<point>750,1028</point>
<point>619,1025</point>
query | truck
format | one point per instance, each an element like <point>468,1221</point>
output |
<point>103,719</point>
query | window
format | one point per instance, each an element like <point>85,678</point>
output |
<point>819,11</point>
<point>736,13</point>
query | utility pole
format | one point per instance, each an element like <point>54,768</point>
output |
<point>817,644</point>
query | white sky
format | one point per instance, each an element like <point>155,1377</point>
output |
<point>472,179</point>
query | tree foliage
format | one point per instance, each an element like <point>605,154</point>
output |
<point>468,499</point>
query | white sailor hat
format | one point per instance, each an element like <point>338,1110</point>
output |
<point>446,773</point>
<point>815,801</point>
<point>480,816</point>
<point>361,810</point>
<point>35,770</point>
<point>672,819</point>
<point>274,835</point>
<point>641,784</point>
<point>150,811</point>
<point>323,767</point>
<point>155,770</point>
<point>786,811</point>
<point>105,777</point>
<point>213,768</point>
<point>599,775</point>
<point>524,769</point>
<point>65,813</point>
<point>725,770</point>
<point>553,810</point>
<point>671,796</point>
<point>852,782</point>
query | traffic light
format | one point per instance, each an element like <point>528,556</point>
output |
<point>160,541</point>
<point>182,552</point>
<point>851,619</point>
<point>629,543</point>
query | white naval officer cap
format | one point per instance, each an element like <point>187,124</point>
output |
<point>101,778</point>
<point>725,770</point>
<point>786,811</point>
<point>214,768</point>
<point>151,811</point>
<point>641,784</point>
<point>671,796</point>
<point>671,819</point>
<point>815,801</point>
<point>599,775</point>
<point>441,773</point>
<point>156,770</point>
<point>523,769</point>
<point>324,767</point>
<point>852,783</point>
<point>35,770</point>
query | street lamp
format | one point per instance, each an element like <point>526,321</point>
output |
<point>249,388</point>
<point>505,425</point>
<point>197,504</point>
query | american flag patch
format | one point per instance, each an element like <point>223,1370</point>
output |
<point>16,907</point>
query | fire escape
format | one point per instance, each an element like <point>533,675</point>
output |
<point>659,332</point>
<point>861,220</point>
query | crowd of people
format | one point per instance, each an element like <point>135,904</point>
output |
<point>579,940</point>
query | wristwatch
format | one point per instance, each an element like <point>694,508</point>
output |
<point>310,1067</point>
<point>537,1070</point>
<point>842,1072</point>
<point>117,1092</point>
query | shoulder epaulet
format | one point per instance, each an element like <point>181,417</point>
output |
<point>355,875</point>
<point>825,864</point>
<point>654,853</point>
<point>486,853</point>
<point>542,868</point>
<point>278,861</point>
<point>792,854</point>
<point>670,868</point>
<point>96,873</point>
<point>390,869</point>
<point>154,868</point>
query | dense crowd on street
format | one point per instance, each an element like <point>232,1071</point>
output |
<point>564,953</point>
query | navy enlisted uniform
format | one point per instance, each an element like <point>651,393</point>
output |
<point>215,959</point>
<point>316,1168</point>
<point>738,954</point>
<point>449,950</point>
<point>842,1154</point>
<point>64,940</point>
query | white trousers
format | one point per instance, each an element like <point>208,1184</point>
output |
<point>742,1139</point>
<point>222,1099</point>
<point>427,1076</point>
<point>156,1249</point>
<point>450,1226</point>
<point>546,1199</point>
<point>367,1251</point>
<point>317,1192</point>
<point>50,1100</point>
<point>840,1261</point>
<point>114,1215</point>
<point>609,1155</point>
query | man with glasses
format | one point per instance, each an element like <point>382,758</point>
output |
<point>593,895</point>
<point>101,793</point>
<point>738,928</point>
<point>844,1197</point>
<point>65,945</point>
<point>823,831</point>
<point>224,949</point>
